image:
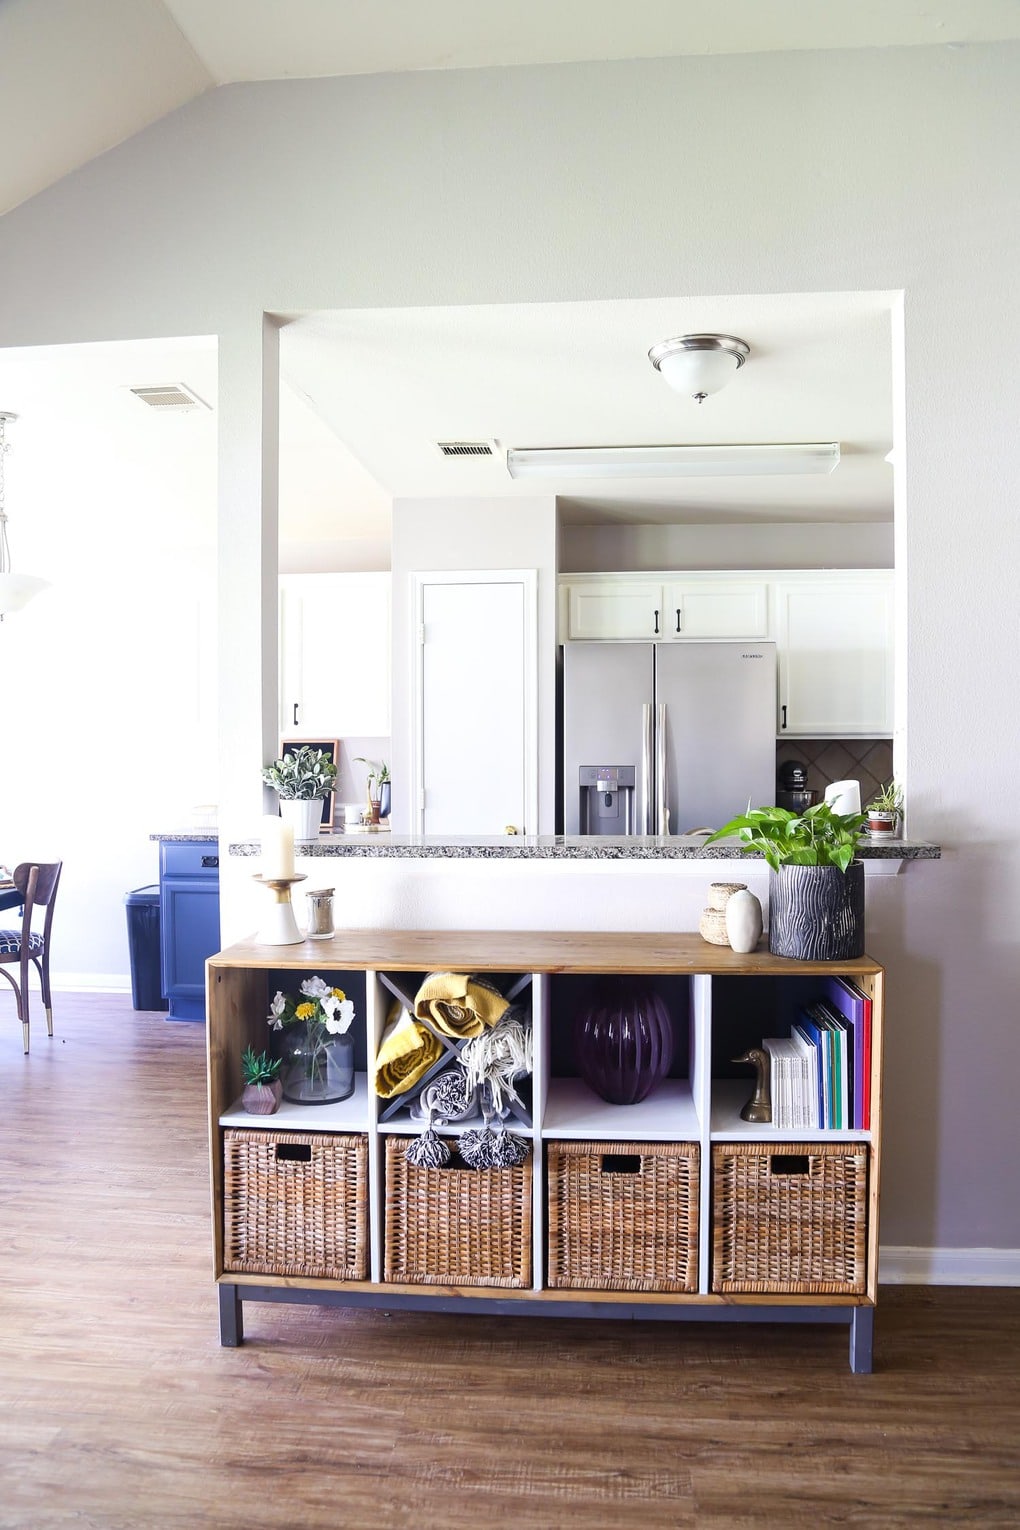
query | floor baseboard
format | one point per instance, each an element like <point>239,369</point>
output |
<point>948,1266</point>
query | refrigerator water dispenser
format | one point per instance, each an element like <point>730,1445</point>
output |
<point>606,799</point>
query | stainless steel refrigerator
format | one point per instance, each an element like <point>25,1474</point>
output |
<point>665,738</point>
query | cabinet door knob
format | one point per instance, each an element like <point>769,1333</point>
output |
<point>296,704</point>
<point>679,621</point>
<point>783,710</point>
<point>656,621</point>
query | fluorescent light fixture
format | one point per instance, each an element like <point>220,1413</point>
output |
<point>671,461</point>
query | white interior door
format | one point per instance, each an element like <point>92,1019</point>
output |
<point>478,747</point>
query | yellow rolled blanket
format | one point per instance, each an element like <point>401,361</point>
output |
<point>459,1005</point>
<point>407,1051</point>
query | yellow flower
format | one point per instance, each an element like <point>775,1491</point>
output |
<point>338,993</point>
<point>305,1011</point>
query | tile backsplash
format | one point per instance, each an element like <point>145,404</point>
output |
<point>867,760</point>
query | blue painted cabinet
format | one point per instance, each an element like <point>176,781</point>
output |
<point>189,907</point>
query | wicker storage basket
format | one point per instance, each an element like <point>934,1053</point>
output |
<point>456,1226</point>
<point>792,1218</point>
<point>623,1216</point>
<point>295,1204</point>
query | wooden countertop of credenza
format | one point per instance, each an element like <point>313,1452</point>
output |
<point>524,951</point>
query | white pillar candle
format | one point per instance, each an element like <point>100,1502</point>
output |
<point>277,848</point>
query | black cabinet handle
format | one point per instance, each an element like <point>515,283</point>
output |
<point>295,714</point>
<point>210,861</point>
<point>678,621</point>
<point>656,621</point>
<point>783,710</point>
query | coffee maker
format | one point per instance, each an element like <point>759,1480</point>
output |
<point>792,790</point>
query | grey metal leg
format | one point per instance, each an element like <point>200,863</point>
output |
<point>231,1317</point>
<point>862,1329</point>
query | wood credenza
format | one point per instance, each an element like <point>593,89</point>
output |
<point>765,1224</point>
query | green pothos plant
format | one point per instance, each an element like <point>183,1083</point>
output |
<point>816,837</point>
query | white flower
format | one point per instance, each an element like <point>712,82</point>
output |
<point>339,1013</point>
<point>315,988</point>
<point>276,1009</point>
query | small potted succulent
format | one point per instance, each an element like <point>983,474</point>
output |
<point>885,810</point>
<point>262,1090</point>
<point>301,780</point>
<point>816,882</point>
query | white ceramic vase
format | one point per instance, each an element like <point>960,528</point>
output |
<point>304,816</point>
<point>743,920</point>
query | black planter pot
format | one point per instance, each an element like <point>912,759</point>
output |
<point>816,913</point>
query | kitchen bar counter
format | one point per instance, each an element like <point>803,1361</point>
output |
<point>559,847</point>
<point>186,837</point>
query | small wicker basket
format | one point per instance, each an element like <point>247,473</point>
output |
<point>455,1225</point>
<point>623,1216</point>
<point>295,1204</point>
<point>791,1218</point>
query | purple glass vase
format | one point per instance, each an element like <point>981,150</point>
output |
<point>623,1041</point>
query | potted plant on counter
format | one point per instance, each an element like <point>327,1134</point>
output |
<point>885,810</point>
<point>816,884</point>
<point>301,780</point>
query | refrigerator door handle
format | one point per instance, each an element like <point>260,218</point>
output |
<point>661,805</point>
<point>645,806</point>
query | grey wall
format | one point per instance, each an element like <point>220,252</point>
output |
<point>890,170</point>
<point>590,549</point>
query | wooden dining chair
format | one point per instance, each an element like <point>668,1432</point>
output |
<point>37,883</point>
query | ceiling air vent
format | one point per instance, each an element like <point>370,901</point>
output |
<point>170,396</point>
<point>467,448</point>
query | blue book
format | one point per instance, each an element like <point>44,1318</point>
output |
<point>820,1041</point>
<point>829,1023</point>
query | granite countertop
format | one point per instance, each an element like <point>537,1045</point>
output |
<point>553,847</point>
<point>188,837</point>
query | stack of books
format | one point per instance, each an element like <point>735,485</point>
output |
<point>821,1072</point>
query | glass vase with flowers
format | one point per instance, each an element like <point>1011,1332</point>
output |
<point>316,1051</point>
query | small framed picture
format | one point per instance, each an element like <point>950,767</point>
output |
<point>331,748</point>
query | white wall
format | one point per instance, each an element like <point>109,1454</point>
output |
<point>887,170</point>
<point>626,548</point>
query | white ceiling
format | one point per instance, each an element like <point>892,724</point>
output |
<point>391,384</point>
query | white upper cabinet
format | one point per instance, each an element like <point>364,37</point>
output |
<point>689,606</point>
<point>835,638</point>
<point>621,608</point>
<point>335,656</point>
<point>833,630</point>
<point>716,608</point>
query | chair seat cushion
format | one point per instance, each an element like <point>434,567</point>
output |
<point>10,943</point>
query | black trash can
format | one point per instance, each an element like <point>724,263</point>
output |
<point>143,944</point>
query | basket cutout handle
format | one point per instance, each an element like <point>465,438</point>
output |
<point>621,1163</point>
<point>790,1164</point>
<point>294,1152</point>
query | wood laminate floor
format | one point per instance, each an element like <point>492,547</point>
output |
<point>118,1408</point>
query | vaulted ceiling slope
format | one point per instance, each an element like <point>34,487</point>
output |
<point>78,77</point>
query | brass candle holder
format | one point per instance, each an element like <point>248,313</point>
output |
<point>280,927</point>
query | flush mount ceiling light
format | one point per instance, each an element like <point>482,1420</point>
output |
<point>16,590</point>
<point>671,461</point>
<point>699,364</point>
